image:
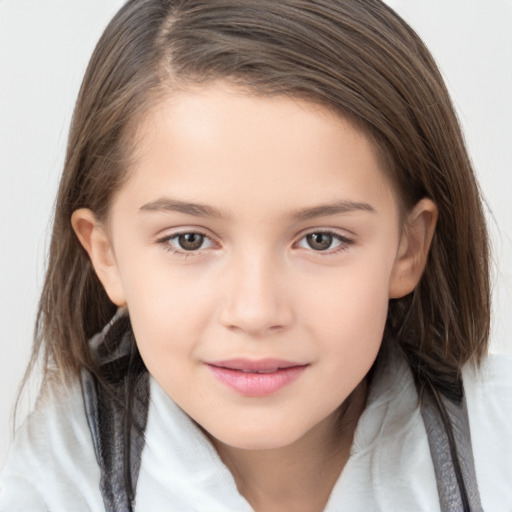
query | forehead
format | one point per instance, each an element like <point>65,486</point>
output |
<point>220,145</point>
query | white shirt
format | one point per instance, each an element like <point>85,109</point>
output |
<point>52,466</point>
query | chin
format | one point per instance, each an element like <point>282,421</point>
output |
<point>257,439</point>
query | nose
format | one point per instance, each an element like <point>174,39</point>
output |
<point>256,300</point>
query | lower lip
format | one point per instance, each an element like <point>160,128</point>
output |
<point>257,384</point>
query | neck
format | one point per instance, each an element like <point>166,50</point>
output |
<point>301,476</point>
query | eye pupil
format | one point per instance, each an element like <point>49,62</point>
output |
<point>191,241</point>
<point>319,241</point>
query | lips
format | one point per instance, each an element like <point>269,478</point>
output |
<point>256,378</point>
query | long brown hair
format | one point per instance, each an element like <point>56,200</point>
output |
<point>358,58</point>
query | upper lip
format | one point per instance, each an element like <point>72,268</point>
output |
<point>255,365</point>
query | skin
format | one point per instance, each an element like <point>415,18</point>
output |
<point>256,288</point>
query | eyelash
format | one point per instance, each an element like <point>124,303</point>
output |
<point>165,242</point>
<point>345,243</point>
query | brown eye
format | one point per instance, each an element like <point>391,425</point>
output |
<point>190,241</point>
<point>319,241</point>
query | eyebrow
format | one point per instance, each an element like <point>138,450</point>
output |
<point>166,204</point>
<point>332,209</point>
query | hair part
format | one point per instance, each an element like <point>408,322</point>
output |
<point>356,57</point>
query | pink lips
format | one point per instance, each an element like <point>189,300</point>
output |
<point>256,378</point>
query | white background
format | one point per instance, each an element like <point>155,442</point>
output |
<point>44,48</point>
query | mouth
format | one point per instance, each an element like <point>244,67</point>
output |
<point>256,378</point>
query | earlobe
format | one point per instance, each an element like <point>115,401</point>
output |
<point>95,240</point>
<point>413,249</point>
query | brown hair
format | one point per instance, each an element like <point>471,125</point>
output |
<point>358,58</point>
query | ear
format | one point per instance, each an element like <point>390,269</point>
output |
<point>95,240</point>
<point>413,249</point>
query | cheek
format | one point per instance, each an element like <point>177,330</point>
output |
<point>167,309</point>
<point>348,317</point>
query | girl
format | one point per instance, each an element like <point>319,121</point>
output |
<point>268,277</point>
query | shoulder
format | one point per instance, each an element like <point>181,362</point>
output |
<point>51,464</point>
<point>488,392</point>
<point>488,388</point>
<point>495,368</point>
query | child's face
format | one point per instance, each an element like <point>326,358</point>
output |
<point>249,179</point>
